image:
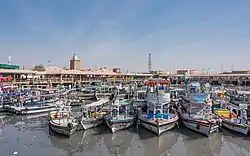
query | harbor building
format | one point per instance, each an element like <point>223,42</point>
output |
<point>76,75</point>
<point>73,75</point>
<point>187,71</point>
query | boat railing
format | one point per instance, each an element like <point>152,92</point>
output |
<point>158,115</point>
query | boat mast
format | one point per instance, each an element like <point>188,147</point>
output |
<point>157,93</point>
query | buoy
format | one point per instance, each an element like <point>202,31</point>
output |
<point>15,153</point>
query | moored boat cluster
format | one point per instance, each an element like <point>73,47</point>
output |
<point>157,106</point>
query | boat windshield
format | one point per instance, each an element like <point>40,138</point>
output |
<point>114,112</point>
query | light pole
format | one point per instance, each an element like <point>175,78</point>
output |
<point>49,63</point>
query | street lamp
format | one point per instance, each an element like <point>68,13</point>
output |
<point>49,63</point>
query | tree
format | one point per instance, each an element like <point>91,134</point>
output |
<point>39,67</point>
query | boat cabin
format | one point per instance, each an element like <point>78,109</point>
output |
<point>159,111</point>
<point>241,110</point>
<point>240,105</point>
<point>121,107</point>
<point>194,87</point>
<point>177,93</point>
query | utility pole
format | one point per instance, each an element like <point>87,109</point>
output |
<point>149,63</point>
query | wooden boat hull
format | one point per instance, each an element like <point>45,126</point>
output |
<point>32,110</point>
<point>119,124</point>
<point>240,128</point>
<point>2,109</point>
<point>157,127</point>
<point>229,124</point>
<point>87,124</point>
<point>64,130</point>
<point>202,127</point>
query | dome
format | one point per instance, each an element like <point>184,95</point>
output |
<point>75,57</point>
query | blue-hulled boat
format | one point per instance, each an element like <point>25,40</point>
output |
<point>121,115</point>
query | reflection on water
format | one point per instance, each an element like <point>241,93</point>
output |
<point>155,145</point>
<point>29,135</point>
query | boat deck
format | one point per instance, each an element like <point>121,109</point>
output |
<point>97,103</point>
<point>161,121</point>
<point>62,122</point>
<point>123,117</point>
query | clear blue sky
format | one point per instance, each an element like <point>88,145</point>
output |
<point>114,33</point>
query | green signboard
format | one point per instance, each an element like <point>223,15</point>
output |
<point>8,66</point>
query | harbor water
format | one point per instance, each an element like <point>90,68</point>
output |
<point>30,135</point>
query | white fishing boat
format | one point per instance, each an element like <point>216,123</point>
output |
<point>2,109</point>
<point>62,121</point>
<point>197,115</point>
<point>121,115</point>
<point>35,108</point>
<point>158,115</point>
<point>93,114</point>
<point>235,115</point>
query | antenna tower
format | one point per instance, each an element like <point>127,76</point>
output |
<point>149,63</point>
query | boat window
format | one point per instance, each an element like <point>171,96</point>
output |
<point>114,112</point>
<point>248,113</point>
<point>165,109</point>
<point>158,112</point>
<point>234,111</point>
<point>157,107</point>
<point>151,110</point>
<point>239,112</point>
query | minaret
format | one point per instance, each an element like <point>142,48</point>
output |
<point>75,63</point>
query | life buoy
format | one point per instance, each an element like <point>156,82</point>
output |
<point>70,126</point>
<point>198,126</point>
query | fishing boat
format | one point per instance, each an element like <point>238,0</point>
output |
<point>231,121</point>
<point>2,109</point>
<point>21,107</point>
<point>235,114</point>
<point>176,93</point>
<point>158,114</point>
<point>93,114</point>
<point>197,114</point>
<point>218,96</point>
<point>62,121</point>
<point>121,115</point>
